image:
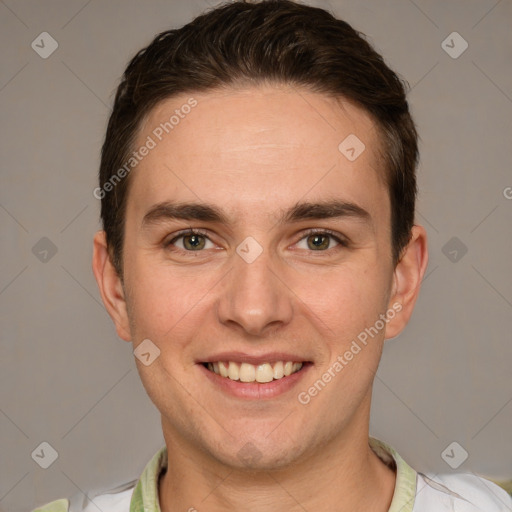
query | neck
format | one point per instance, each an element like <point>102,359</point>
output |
<point>343,475</point>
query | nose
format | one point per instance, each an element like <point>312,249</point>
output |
<point>254,297</point>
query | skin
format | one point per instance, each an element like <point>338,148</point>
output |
<point>254,152</point>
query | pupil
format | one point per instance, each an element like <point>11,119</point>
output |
<point>317,240</point>
<point>194,241</point>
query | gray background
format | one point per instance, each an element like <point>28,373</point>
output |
<point>65,377</point>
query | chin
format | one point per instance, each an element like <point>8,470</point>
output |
<point>260,455</point>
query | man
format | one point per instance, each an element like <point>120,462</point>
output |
<point>257,190</point>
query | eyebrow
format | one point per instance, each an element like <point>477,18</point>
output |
<point>168,210</point>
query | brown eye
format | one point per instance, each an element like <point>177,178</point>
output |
<point>321,241</point>
<point>318,241</point>
<point>189,241</point>
<point>193,242</point>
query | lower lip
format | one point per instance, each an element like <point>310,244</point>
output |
<point>256,390</point>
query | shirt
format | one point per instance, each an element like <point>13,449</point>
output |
<point>414,491</point>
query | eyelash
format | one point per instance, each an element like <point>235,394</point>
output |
<point>192,231</point>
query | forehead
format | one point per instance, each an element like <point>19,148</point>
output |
<point>256,146</point>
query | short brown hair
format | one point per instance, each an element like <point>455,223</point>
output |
<point>271,41</point>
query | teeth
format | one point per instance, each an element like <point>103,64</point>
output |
<point>247,373</point>
<point>234,371</point>
<point>224,371</point>
<point>262,373</point>
<point>279,370</point>
<point>288,368</point>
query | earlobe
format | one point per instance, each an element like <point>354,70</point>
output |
<point>110,286</point>
<point>407,278</point>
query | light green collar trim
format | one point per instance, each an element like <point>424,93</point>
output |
<point>405,485</point>
<point>145,494</point>
<point>55,506</point>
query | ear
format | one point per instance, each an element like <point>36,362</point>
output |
<point>407,278</point>
<point>110,285</point>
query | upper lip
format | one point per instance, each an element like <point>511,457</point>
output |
<point>242,357</point>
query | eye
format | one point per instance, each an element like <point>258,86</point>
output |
<point>195,240</point>
<point>191,240</point>
<point>320,240</point>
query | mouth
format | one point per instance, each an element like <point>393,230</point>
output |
<point>255,376</point>
<point>255,373</point>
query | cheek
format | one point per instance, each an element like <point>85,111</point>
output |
<point>345,301</point>
<point>165,304</point>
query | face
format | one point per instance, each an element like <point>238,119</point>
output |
<point>253,242</point>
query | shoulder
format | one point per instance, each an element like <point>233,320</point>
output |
<point>118,499</point>
<point>115,500</point>
<point>460,492</point>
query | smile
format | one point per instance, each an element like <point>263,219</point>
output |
<point>261,373</point>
